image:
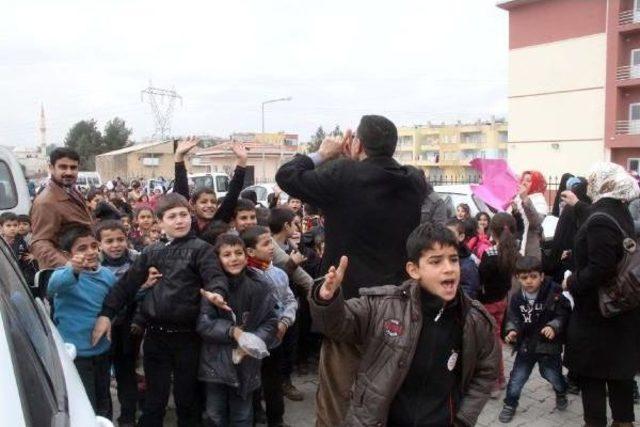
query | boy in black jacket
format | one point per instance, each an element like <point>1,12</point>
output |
<point>170,309</point>
<point>536,320</point>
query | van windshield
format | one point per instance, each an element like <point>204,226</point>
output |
<point>222,183</point>
<point>203,182</point>
<point>8,193</point>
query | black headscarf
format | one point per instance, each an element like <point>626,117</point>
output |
<point>562,187</point>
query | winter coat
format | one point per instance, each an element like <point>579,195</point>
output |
<point>251,301</point>
<point>386,321</point>
<point>370,206</point>
<point>495,282</point>
<point>549,309</point>
<point>598,347</point>
<point>469,276</point>
<point>434,208</point>
<point>187,264</point>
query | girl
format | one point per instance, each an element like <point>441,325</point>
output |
<point>479,243</point>
<point>144,219</point>
<point>496,270</point>
<point>463,212</point>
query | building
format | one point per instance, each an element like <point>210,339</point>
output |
<point>446,150</point>
<point>147,160</point>
<point>276,138</point>
<point>574,84</point>
<point>263,162</point>
<point>34,159</point>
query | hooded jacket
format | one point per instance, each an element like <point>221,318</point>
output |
<point>386,322</point>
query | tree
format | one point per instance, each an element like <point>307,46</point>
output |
<point>316,140</point>
<point>50,148</point>
<point>85,138</point>
<point>116,135</point>
<point>337,132</point>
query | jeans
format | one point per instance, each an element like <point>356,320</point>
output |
<point>96,377</point>
<point>594,400</point>
<point>124,349</point>
<point>550,366</point>
<point>497,310</point>
<point>226,408</point>
<point>168,354</point>
<point>272,385</point>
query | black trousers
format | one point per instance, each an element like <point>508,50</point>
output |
<point>124,350</point>
<point>168,355</point>
<point>594,400</point>
<point>288,353</point>
<point>272,385</point>
<point>96,377</point>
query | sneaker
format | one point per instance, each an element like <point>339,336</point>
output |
<point>292,393</point>
<point>561,401</point>
<point>507,413</point>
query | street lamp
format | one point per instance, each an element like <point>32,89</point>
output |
<point>271,101</point>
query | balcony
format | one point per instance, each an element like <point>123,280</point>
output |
<point>405,146</point>
<point>628,75</point>
<point>629,21</point>
<point>628,127</point>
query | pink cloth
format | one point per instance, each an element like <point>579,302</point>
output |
<point>499,183</point>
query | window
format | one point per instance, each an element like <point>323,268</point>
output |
<point>222,183</point>
<point>634,118</point>
<point>472,137</point>
<point>8,193</point>
<point>203,181</point>
<point>150,161</point>
<point>633,164</point>
<point>503,136</point>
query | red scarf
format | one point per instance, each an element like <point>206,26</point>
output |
<point>258,263</point>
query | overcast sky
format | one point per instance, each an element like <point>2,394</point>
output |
<point>413,61</point>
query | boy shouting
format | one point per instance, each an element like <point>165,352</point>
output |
<point>429,356</point>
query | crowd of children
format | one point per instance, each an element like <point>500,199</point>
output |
<point>218,297</point>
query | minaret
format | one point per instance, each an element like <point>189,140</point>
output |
<point>43,134</point>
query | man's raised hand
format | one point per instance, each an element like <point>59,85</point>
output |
<point>333,279</point>
<point>215,299</point>
<point>184,146</point>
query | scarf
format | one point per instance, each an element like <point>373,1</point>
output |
<point>258,263</point>
<point>609,180</point>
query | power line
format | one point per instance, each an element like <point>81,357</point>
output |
<point>161,110</point>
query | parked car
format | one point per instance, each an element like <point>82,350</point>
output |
<point>14,192</point>
<point>39,383</point>
<point>217,180</point>
<point>88,180</point>
<point>263,190</point>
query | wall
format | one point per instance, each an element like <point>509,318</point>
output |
<point>575,156</point>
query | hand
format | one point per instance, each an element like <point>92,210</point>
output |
<point>282,329</point>
<point>101,328</point>
<point>136,330</point>
<point>511,337</point>
<point>565,284</point>
<point>333,279</point>
<point>78,263</point>
<point>548,332</point>
<point>569,197</point>
<point>523,191</point>
<point>215,299</point>
<point>27,257</point>
<point>153,278</point>
<point>236,332</point>
<point>347,145</point>
<point>297,257</point>
<point>331,147</point>
<point>184,147</point>
<point>240,152</point>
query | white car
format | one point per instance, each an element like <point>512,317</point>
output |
<point>88,180</point>
<point>263,190</point>
<point>14,193</point>
<point>39,383</point>
<point>455,194</point>
<point>216,180</point>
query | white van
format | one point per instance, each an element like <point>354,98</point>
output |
<point>14,193</point>
<point>88,180</point>
<point>217,180</point>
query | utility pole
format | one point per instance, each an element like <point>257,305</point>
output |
<point>162,102</point>
<point>271,101</point>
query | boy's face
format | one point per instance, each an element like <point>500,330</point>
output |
<point>113,243</point>
<point>245,219</point>
<point>531,281</point>
<point>176,222</point>
<point>10,229</point>
<point>89,248</point>
<point>454,230</point>
<point>206,206</point>
<point>24,228</point>
<point>295,205</point>
<point>145,219</point>
<point>232,259</point>
<point>437,271</point>
<point>264,248</point>
<point>126,222</point>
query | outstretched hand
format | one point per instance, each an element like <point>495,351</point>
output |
<point>184,146</point>
<point>101,328</point>
<point>333,279</point>
<point>215,299</point>
<point>240,152</point>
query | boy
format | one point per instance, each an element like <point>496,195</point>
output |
<point>10,230</point>
<point>260,249</point>
<point>469,275</point>
<point>244,215</point>
<point>230,386</point>
<point>452,331</point>
<point>78,290</point>
<point>24,227</point>
<point>536,320</point>
<point>170,310</point>
<point>295,205</point>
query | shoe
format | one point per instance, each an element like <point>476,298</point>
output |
<point>561,401</point>
<point>292,393</point>
<point>507,413</point>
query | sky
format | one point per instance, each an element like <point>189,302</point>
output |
<point>411,60</point>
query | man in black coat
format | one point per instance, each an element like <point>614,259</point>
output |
<point>371,204</point>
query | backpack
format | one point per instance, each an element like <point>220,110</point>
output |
<point>623,292</point>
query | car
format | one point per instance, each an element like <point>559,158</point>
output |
<point>217,180</point>
<point>87,180</point>
<point>263,190</point>
<point>39,383</point>
<point>14,191</point>
<point>462,193</point>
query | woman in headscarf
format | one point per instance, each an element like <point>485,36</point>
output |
<point>602,352</point>
<point>530,207</point>
<point>556,210</point>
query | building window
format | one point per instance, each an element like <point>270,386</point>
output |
<point>503,136</point>
<point>150,161</point>
<point>633,164</point>
<point>472,137</point>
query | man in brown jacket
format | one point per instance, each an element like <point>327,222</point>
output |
<point>58,205</point>
<point>429,356</point>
